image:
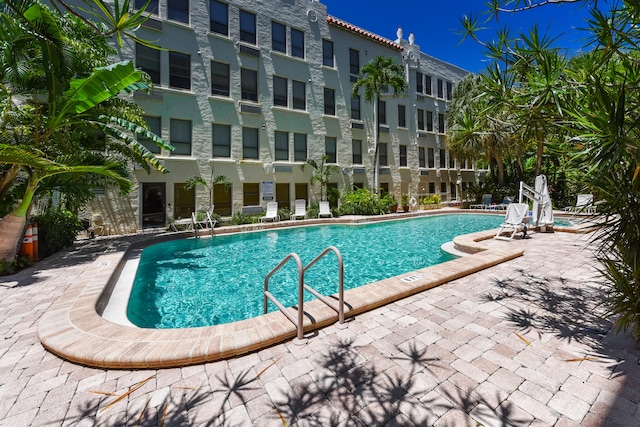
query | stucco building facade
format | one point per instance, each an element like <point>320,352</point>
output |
<point>252,89</point>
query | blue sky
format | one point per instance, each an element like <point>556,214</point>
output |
<point>436,22</point>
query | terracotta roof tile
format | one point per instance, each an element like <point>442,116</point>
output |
<point>340,23</point>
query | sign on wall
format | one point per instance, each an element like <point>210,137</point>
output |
<point>267,190</point>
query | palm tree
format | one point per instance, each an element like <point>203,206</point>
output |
<point>322,174</point>
<point>479,127</point>
<point>213,181</point>
<point>377,76</point>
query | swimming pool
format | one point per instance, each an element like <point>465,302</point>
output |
<point>202,282</point>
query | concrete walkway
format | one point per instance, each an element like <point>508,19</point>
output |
<point>515,345</point>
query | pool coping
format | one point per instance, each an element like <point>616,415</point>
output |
<point>74,329</point>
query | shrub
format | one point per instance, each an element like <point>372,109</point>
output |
<point>239,218</point>
<point>18,264</point>
<point>361,202</point>
<point>284,214</point>
<point>313,210</point>
<point>57,229</point>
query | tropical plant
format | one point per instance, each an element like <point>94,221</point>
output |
<point>379,75</point>
<point>321,174</point>
<point>61,117</point>
<point>210,185</point>
<point>595,101</point>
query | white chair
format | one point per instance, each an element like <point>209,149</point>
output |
<point>513,221</point>
<point>300,209</point>
<point>325,210</point>
<point>100,228</point>
<point>506,201</point>
<point>486,201</point>
<point>272,213</point>
<point>584,204</point>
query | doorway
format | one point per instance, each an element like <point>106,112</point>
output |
<point>153,205</point>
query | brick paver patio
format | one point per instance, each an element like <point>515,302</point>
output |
<point>518,344</point>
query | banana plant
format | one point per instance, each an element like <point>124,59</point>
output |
<point>46,112</point>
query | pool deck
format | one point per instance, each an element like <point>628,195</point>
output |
<point>515,343</point>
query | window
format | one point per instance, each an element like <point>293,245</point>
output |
<point>247,27</point>
<point>354,61</point>
<point>249,84</point>
<point>419,82</point>
<point>331,146</point>
<point>420,119</point>
<point>297,43</point>
<point>221,140</point>
<point>280,96</point>
<point>219,17</point>
<point>220,79</point>
<point>327,53</point>
<point>222,200</point>
<point>355,107</point>
<point>452,162</point>
<point>282,195</point>
<point>452,190</point>
<point>301,190</point>
<point>440,89</point>
<point>151,8</point>
<point>178,10</point>
<point>184,201</point>
<point>430,121</point>
<point>382,154</point>
<point>299,147</point>
<point>443,159</point>
<point>443,187</point>
<point>382,112</point>
<point>155,127</point>
<point>430,159</point>
<point>179,70</point>
<point>148,60</point>
<point>441,123</point>
<point>449,90</point>
<point>278,37</point>
<point>250,143</point>
<point>251,194</point>
<point>427,85</point>
<point>180,136</point>
<point>402,116</point>
<point>299,95</point>
<point>422,161</point>
<point>281,145</point>
<point>356,150</point>
<point>432,188</point>
<point>403,155</point>
<point>329,101</point>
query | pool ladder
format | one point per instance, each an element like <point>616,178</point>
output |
<point>339,307</point>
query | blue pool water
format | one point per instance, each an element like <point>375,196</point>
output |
<point>203,282</point>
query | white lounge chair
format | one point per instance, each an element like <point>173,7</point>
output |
<point>513,221</point>
<point>506,201</point>
<point>300,209</point>
<point>325,210</point>
<point>272,213</point>
<point>486,201</point>
<point>584,204</point>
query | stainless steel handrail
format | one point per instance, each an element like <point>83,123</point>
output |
<point>269,296</point>
<point>340,307</point>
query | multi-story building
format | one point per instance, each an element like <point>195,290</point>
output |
<point>251,90</point>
